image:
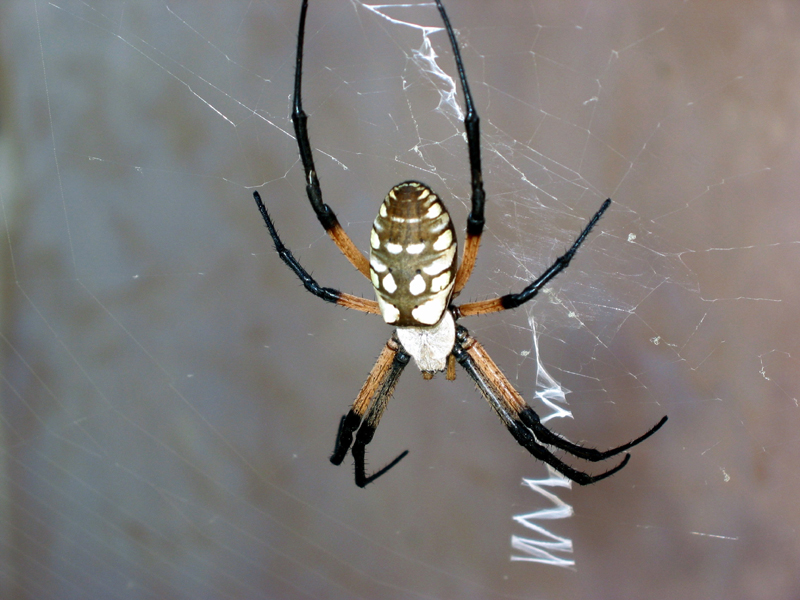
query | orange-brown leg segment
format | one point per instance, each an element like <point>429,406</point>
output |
<point>523,422</point>
<point>467,262</point>
<point>371,401</point>
<point>327,294</point>
<point>450,375</point>
<point>348,248</point>
<point>514,300</point>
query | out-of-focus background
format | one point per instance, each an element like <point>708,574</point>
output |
<point>170,393</point>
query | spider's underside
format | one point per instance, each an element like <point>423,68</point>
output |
<point>414,269</point>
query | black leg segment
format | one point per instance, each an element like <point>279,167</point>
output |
<point>475,221</point>
<point>561,263</point>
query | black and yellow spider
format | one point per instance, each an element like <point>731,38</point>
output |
<point>414,269</point>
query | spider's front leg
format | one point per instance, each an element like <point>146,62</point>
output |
<point>372,400</point>
<point>326,216</point>
<point>523,422</point>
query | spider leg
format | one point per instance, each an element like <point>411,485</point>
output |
<point>522,421</point>
<point>514,300</point>
<point>476,220</point>
<point>372,401</point>
<point>531,420</point>
<point>327,294</point>
<point>324,213</point>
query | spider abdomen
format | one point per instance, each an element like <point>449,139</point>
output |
<point>413,256</point>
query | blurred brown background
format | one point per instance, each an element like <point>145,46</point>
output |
<point>170,394</point>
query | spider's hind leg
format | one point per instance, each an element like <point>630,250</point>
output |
<point>529,417</point>
<point>521,420</point>
<point>372,401</point>
<point>359,452</point>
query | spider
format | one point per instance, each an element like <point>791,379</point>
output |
<point>413,268</point>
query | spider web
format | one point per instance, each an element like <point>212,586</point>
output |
<point>171,394</point>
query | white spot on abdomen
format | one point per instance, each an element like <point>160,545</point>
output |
<point>434,211</point>
<point>389,311</point>
<point>429,312</point>
<point>417,285</point>
<point>443,241</point>
<point>376,264</point>
<point>440,282</point>
<point>389,284</point>
<point>441,263</point>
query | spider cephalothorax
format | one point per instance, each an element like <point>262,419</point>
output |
<point>413,268</point>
